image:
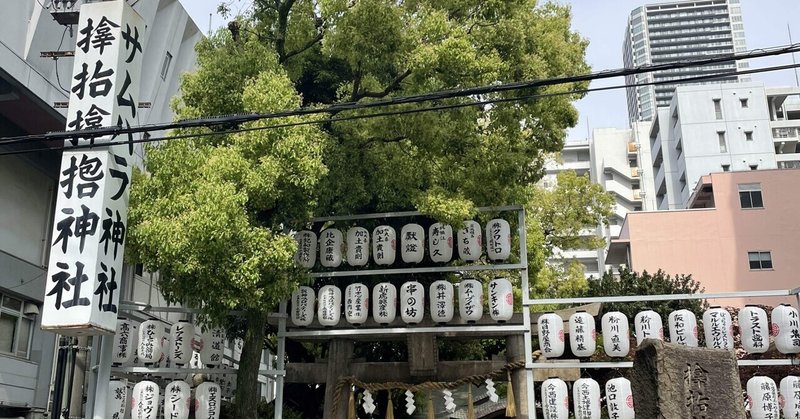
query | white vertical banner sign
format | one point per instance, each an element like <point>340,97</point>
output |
<point>117,399</point>
<point>90,225</point>
<point>177,399</point>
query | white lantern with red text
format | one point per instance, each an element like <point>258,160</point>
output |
<point>356,303</point>
<point>754,329</point>
<point>683,328</point>
<point>306,255</point>
<point>212,348</point>
<point>177,399</point>
<point>124,339</point>
<point>586,398</point>
<point>582,334</point>
<point>330,248</point>
<point>648,325</point>
<point>551,335</point>
<point>303,300</point>
<point>384,303</point>
<point>762,395</point>
<point>786,329</point>
<point>619,398</point>
<point>616,334</point>
<point>357,246</point>
<point>208,400</point>
<point>790,396</point>
<point>470,300</point>
<point>470,240</point>
<point>117,399</point>
<point>180,337</point>
<point>145,400</point>
<point>412,243</point>
<point>384,245</point>
<point>718,328</point>
<point>412,302</point>
<point>151,333</point>
<point>555,401</point>
<point>440,242</point>
<point>329,307</point>
<point>501,300</point>
<point>498,239</point>
<point>441,301</point>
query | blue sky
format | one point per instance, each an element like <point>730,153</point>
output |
<point>602,22</point>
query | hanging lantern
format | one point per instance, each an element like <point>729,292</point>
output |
<point>208,400</point>
<point>683,328</point>
<point>384,303</point>
<point>180,336</point>
<point>440,242</point>
<point>470,300</point>
<point>384,245</point>
<point>754,329</point>
<point>303,306</point>
<point>151,333</point>
<point>790,396</point>
<point>555,401</point>
<point>306,255</point>
<point>786,329</point>
<point>441,301</point>
<point>586,399</point>
<point>177,399</point>
<point>123,341</point>
<point>412,302</point>
<point>762,395</point>
<point>213,346</point>
<point>356,303</point>
<point>412,243</point>
<point>582,334</point>
<point>718,328</point>
<point>619,398</point>
<point>117,399</point>
<point>551,335</point>
<point>498,239</point>
<point>145,400</point>
<point>648,325</point>
<point>329,308</point>
<point>616,334</point>
<point>357,246</point>
<point>330,248</point>
<point>470,240</point>
<point>501,300</point>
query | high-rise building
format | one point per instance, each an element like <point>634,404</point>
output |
<point>668,32</point>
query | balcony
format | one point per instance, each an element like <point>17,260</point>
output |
<point>635,172</point>
<point>633,148</point>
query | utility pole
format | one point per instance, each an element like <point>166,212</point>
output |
<point>796,77</point>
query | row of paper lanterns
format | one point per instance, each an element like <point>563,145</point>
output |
<point>383,246</point>
<point>766,400</point>
<point>586,399</point>
<point>384,298</point>
<point>149,341</point>
<point>145,400</point>
<point>754,326</point>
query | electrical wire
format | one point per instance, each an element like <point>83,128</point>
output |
<point>55,59</point>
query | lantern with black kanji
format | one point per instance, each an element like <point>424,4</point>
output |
<point>124,340</point>
<point>616,334</point>
<point>754,329</point>
<point>412,243</point>
<point>306,255</point>
<point>330,248</point>
<point>356,303</point>
<point>683,327</point>
<point>718,328</point>
<point>384,303</point>
<point>762,395</point>
<point>582,334</point>
<point>441,301</point>
<point>357,246</point>
<point>117,399</point>
<point>145,400</point>
<point>303,300</point>
<point>619,398</point>
<point>440,242</point>
<point>498,239</point>
<point>151,333</point>
<point>208,400</point>
<point>786,329</point>
<point>555,399</point>
<point>384,245</point>
<point>551,335</point>
<point>181,335</point>
<point>648,325</point>
<point>177,399</point>
<point>412,302</point>
<point>470,240</point>
<point>470,300</point>
<point>790,396</point>
<point>212,346</point>
<point>586,398</point>
<point>329,305</point>
<point>501,300</point>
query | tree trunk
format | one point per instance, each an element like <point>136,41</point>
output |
<point>247,387</point>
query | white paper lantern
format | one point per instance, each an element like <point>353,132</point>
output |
<point>582,334</point>
<point>619,398</point>
<point>616,334</point>
<point>718,328</point>
<point>440,242</point>
<point>470,240</point>
<point>180,337</point>
<point>208,400</point>
<point>177,399</point>
<point>786,329</point>
<point>412,302</point>
<point>754,329</point>
<point>212,349</point>
<point>412,243</point>
<point>790,396</point>
<point>151,333</point>
<point>384,303</point>
<point>441,301</point>
<point>648,325</point>
<point>501,300</point>
<point>586,399</point>
<point>356,303</point>
<point>762,395</point>
<point>145,400</point>
<point>330,248</point>
<point>470,300</point>
<point>306,255</point>
<point>117,399</point>
<point>555,401</point>
<point>683,328</point>
<point>357,246</point>
<point>123,341</point>
<point>329,309</point>
<point>303,300</point>
<point>384,245</point>
<point>551,335</point>
<point>498,239</point>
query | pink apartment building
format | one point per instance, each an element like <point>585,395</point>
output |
<point>741,233</point>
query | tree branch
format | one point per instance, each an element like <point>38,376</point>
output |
<point>283,21</point>
<point>393,85</point>
<point>302,49</point>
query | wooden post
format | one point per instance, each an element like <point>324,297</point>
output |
<point>515,351</point>
<point>423,355</point>
<point>340,353</point>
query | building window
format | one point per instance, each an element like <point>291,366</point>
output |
<point>744,103</point>
<point>760,260</point>
<point>723,145</point>
<point>718,108</point>
<point>750,195</point>
<point>726,167</point>
<point>165,66</point>
<point>15,327</point>
<point>748,135</point>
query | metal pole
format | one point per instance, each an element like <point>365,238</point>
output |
<point>98,394</point>
<point>796,77</point>
<point>280,363</point>
<point>58,388</point>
